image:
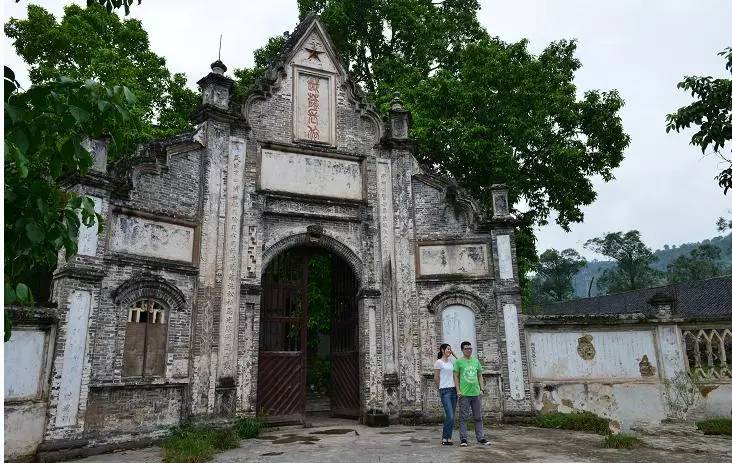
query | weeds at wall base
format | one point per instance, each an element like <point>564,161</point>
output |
<point>197,444</point>
<point>622,441</point>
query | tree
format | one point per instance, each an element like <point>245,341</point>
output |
<point>712,113</point>
<point>45,127</point>
<point>484,111</point>
<point>724,224</point>
<point>93,43</point>
<point>701,263</point>
<point>633,262</point>
<point>554,274</point>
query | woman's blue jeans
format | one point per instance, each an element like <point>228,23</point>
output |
<point>448,395</point>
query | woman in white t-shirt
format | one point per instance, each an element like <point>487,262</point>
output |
<point>446,384</point>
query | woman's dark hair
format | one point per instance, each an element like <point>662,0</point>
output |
<point>442,349</point>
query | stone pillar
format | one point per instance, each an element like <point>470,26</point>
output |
<point>372,392</point>
<point>399,283</point>
<point>514,369</point>
<point>215,359</point>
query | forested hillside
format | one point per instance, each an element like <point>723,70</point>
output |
<point>666,255</point>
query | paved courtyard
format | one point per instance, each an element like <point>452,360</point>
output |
<point>347,442</point>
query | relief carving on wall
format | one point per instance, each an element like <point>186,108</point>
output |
<point>585,349</point>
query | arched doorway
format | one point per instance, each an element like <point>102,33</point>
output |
<point>308,338</point>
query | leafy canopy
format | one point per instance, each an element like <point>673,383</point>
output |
<point>633,259</point>
<point>45,128</point>
<point>93,43</point>
<point>554,273</point>
<point>484,111</point>
<point>711,113</point>
<point>702,262</point>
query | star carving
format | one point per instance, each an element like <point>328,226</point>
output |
<point>313,53</point>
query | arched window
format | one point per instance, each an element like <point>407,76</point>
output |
<point>146,339</point>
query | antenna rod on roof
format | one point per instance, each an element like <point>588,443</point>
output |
<point>220,37</point>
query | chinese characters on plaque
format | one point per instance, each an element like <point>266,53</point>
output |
<point>313,111</point>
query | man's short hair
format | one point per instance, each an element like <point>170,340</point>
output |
<point>463,344</point>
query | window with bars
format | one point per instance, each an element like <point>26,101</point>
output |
<point>145,339</point>
<point>709,352</point>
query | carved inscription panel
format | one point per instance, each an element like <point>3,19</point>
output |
<point>314,108</point>
<point>310,175</point>
<point>145,237</point>
<point>458,325</point>
<point>454,259</point>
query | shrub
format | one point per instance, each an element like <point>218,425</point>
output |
<point>577,421</point>
<point>248,428</point>
<point>716,426</point>
<point>225,438</point>
<point>622,441</point>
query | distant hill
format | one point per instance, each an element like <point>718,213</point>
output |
<point>665,256</point>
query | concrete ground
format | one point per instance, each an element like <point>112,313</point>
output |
<point>344,441</point>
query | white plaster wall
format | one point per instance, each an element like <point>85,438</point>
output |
<point>553,355</point>
<point>465,259</point>
<point>24,361</point>
<point>136,235</point>
<point>24,425</point>
<point>89,236</point>
<point>718,401</point>
<point>310,175</point>
<point>73,358</point>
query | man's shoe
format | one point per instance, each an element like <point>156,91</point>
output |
<point>463,443</point>
<point>485,442</point>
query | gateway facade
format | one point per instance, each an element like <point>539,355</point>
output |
<point>193,303</point>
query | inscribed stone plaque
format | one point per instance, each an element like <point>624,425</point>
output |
<point>453,259</point>
<point>313,111</point>
<point>310,175</point>
<point>137,235</point>
<point>73,358</point>
<point>513,351</point>
<point>89,236</point>
<point>505,261</point>
<point>458,325</point>
<point>24,363</point>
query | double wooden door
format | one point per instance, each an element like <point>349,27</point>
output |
<point>283,339</point>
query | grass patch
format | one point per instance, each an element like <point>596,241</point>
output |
<point>248,428</point>
<point>577,421</point>
<point>197,444</point>
<point>622,441</point>
<point>716,426</point>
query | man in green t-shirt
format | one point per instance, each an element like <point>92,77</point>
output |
<point>469,383</point>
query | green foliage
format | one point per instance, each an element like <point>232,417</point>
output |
<point>248,428</point>
<point>95,43</point>
<point>703,262</point>
<point>554,274</point>
<point>44,130</point>
<point>246,78</point>
<point>633,262</point>
<point>194,444</point>
<point>114,4</point>
<point>711,113</point>
<point>318,373</point>
<point>576,421</point>
<point>622,441</point>
<point>484,111</point>
<point>320,307</point>
<point>716,426</point>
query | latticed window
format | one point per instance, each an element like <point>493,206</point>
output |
<point>146,339</point>
<point>709,352</point>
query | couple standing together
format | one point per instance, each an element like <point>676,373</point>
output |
<point>460,380</point>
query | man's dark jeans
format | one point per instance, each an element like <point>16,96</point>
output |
<point>448,395</point>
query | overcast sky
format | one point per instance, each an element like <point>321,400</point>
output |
<point>664,187</point>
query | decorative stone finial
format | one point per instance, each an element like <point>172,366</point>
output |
<point>499,194</point>
<point>399,118</point>
<point>218,67</point>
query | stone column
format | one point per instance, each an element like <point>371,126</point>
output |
<point>514,369</point>
<point>216,346</point>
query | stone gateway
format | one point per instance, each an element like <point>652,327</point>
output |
<point>194,303</point>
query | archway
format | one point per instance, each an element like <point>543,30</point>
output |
<point>308,342</point>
